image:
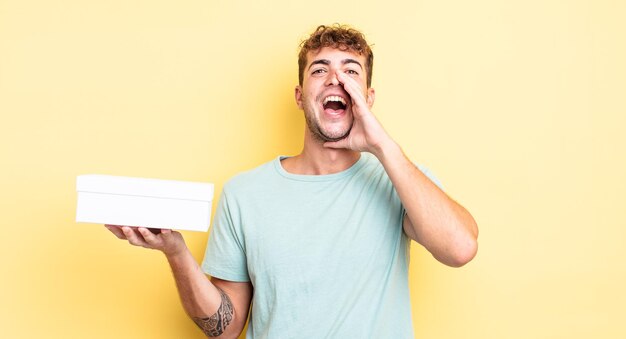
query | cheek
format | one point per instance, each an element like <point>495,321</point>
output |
<point>310,98</point>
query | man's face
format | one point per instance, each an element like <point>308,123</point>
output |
<point>326,104</point>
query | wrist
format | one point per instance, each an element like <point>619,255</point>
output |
<point>177,255</point>
<point>387,149</point>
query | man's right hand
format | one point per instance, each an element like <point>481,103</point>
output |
<point>204,300</point>
<point>171,243</point>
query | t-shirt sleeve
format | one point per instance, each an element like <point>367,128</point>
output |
<point>225,255</point>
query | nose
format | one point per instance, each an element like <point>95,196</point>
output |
<point>332,79</point>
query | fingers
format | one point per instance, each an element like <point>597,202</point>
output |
<point>134,236</point>
<point>145,237</point>
<point>116,230</point>
<point>337,144</point>
<point>148,236</point>
<point>353,88</point>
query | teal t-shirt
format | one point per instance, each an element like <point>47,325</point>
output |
<point>326,254</point>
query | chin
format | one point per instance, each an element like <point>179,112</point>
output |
<point>335,135</point>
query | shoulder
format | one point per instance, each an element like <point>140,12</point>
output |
<point>373,167</point>
<point>370,161</point>
<point>247,180</point>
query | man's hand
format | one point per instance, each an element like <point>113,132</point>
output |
<point>167,241</point>
<point>367,134</point>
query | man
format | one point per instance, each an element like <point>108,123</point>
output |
<point>320,241</point>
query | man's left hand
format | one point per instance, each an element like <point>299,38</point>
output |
<point>367,134</point>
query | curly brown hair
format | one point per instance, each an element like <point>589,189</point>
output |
<point>337,36</point>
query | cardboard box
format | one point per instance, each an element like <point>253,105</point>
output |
<point>154,203</point>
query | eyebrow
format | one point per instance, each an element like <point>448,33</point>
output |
<point>327,62</point>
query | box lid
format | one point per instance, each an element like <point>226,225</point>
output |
<point>160,188</point>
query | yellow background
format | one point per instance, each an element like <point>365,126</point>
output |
<point>518,107</point>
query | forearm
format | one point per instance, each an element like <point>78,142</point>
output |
<point>198,296</point>
<point>436,221</point>
<point>208,306</point>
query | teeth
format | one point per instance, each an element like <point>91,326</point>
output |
<point>334,98</point>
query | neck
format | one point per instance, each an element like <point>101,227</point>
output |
<point>315,159</point>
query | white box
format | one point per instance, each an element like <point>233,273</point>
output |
<point>154,203</point>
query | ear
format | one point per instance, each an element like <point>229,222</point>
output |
<point>298,95</point>
<point>371,95</point>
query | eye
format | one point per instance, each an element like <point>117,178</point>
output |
<point>352,72</point>
<point>319,71</point>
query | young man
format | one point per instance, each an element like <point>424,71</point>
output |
<point>320,241</point>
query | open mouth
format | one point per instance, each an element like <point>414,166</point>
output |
<point>334,104</point>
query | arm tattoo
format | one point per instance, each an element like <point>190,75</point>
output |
<point>215,325</point>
